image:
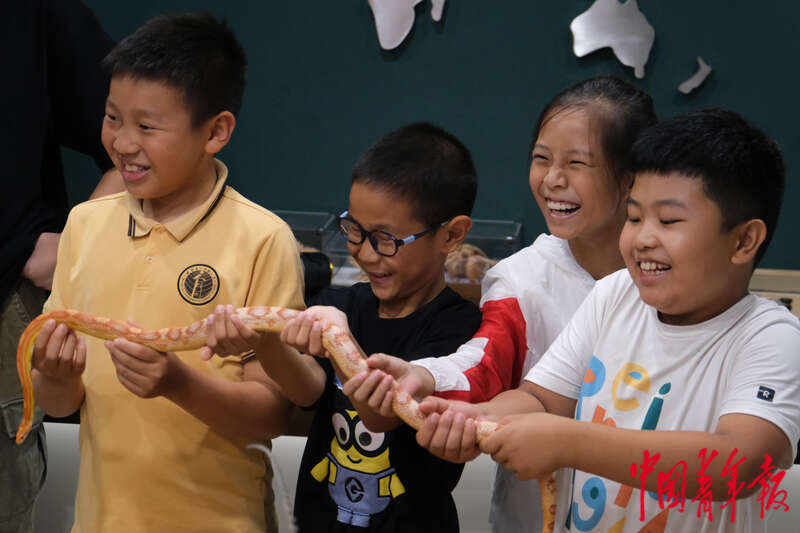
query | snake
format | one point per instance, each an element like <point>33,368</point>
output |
<point>338,342</point>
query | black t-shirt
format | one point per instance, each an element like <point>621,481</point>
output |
<point>354,480</point>
<point>53,94</point>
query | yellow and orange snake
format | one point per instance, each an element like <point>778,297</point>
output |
<point>339,344</point>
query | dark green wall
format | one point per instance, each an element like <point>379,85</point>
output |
<point>321,90</point>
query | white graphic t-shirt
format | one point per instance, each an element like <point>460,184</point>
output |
<point>628,369</point>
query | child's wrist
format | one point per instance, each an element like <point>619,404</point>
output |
<point>267,340</point>
<point>178,376</point>
<point>572,434</point>
<point>428,382</point>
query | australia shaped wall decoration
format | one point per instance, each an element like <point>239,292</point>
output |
<point>620,26</point>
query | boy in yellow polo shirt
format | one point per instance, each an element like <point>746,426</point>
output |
<point>163,435</point>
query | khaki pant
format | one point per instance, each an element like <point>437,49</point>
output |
<point>22,467</point>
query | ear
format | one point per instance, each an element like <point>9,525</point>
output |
<point>220,128</point>
<point>456,230</point>
<point>748,239</point>
<point>626,184</point>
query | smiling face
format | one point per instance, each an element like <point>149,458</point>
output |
<point>147,132</point>
<point>570,180</point>
<point>413,276</point>
<point>677,251</point>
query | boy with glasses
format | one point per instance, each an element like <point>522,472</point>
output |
<point>410,201</point>
<point>382,242</point>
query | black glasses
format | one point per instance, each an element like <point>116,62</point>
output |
<point>382,242</point>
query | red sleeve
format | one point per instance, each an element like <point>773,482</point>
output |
<point>498,366</point>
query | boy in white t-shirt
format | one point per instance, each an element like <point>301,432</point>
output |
<point>676,345</point>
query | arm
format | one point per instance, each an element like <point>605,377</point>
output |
<point>305,334</point>
<point>531,445</point>
<point>42,263</point>
<point>300,378</point>
<point>110,183</point>
<point>493,360</point>
<point>299,375</point>
<point>375,389</point>
<point>77,87</point>
<point>765,354</point>
<point>452,436</point>
<point>415,379</point>
<point>252,409</point>
<point>449,430</point>
<point>370,392</point>
<point>527,398</point>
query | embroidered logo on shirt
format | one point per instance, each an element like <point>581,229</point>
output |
<point>765,393</point>
<point>198,284</point>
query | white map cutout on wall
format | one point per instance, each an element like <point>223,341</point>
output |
<point>609,23</point>
<point>437,6</point>
<point>395,18</point>
<point>703,70</point>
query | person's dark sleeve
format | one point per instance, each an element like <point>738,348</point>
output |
<point>77,85</point>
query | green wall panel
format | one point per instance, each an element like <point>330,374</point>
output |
<point>321,90</point>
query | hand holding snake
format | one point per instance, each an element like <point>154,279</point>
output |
<point>336,341</point>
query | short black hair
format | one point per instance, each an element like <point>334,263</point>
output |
<point>742,169</point>
<point>424,165</point>
<point>620,113</point>
<point>195,53</point>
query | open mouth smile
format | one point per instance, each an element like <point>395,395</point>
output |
<point>561,208</point>
<point>652,268</point>
<point>133,172</point>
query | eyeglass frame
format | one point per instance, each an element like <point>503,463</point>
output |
<point>368,235</point>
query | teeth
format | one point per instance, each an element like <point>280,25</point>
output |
<point>561,206</point>
<point>133,168</point>
<point>650,266</point>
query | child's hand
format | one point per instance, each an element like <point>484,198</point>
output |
<point>305,331</point>
<point>528,445</point>
<point>142,370</point>
<point>412,378</point>
<point>450,429</point>
<point>373,389</point>
<point>226,334</point>
<point>58,354</point>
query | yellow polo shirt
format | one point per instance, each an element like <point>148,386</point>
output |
<point>147,465</point>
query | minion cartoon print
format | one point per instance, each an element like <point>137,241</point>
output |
<point>361,480</point>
